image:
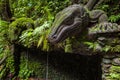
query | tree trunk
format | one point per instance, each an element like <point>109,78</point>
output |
<point>91,3</point>
<point>5,11</point>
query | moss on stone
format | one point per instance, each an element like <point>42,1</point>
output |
<point>29,67</point>
<point>19,25</point>
<point>115,69</point>
<point>114,73</point>
<point>115,76</point>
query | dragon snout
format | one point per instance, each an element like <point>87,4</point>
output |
<point>51,38</point>
<point>54,36</point>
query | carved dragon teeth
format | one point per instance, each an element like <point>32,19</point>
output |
<point>104,28</point>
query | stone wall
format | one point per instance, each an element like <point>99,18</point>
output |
<point>111,67</point>
<point>66,66</point>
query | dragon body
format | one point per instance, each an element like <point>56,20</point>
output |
<point>77,19</point>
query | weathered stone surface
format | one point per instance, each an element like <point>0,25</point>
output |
<point>106,61</point>
<point>106,65</point>
<point>116,61</point>
<point>110,56</point>
<point>111,71</point>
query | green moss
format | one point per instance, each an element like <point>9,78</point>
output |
<point>10,64</point>
<point>38,68</point>
<point>114,73</point>
<point>115,48</point>
<point>19,25</point>
<point>24,72</point>
<point>7,68</point>
<point>31,68</point>
<point>68,46</point>
<point>115,76</point>
<point>22,22</point>
<point>115,69</point>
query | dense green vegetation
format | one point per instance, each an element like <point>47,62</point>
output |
<point>27,23</point>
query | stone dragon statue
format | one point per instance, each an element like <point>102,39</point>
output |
<point>77,19</point>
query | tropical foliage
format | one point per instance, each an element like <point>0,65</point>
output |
<point>28,22</point>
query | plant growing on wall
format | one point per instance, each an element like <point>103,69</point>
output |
<point>28,23</point>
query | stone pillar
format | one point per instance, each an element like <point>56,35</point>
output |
<point>111,67</point>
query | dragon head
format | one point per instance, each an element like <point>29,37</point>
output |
<point>68,22</point>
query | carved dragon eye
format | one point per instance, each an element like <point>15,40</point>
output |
<point>69,22</point>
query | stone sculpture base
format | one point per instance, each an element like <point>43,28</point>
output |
<point>111,67</point>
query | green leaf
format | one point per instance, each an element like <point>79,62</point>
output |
<point>68,48</point>
<point>106,48</point>
<point>40,41</point>
<point>90,44</point>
